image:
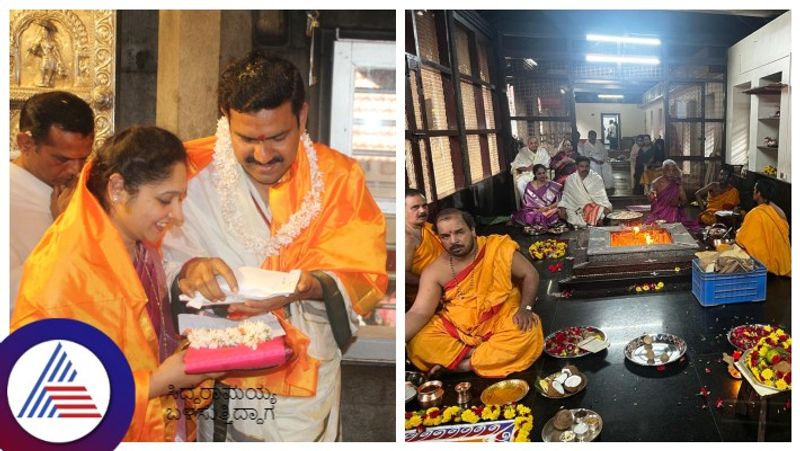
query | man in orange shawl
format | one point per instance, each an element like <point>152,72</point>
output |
<point>721,195</point>
<point>486,324</point>
<point>422,244</point>
<point>765,232</point>
<point>267,196</point>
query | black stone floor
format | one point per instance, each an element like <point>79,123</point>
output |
<point>641,403</point>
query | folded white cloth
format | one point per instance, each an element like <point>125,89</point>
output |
<point>255,284</point>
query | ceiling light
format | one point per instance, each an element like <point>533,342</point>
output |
<point>594,58</point>
<point>610,96</point>
<point>531,62</point>
<point>563,91</point>
<point>623,39</point>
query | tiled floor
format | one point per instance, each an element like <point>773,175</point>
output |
<point>643,404</point>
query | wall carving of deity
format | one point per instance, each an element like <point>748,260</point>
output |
<point>67,50</point>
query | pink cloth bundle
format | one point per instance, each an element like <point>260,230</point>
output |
<point>268,354</point>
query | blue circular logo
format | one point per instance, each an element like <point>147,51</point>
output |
<point>68,386</point>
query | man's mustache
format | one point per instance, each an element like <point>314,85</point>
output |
<point>252,160</point>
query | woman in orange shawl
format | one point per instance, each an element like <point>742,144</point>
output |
<point>99,263</point>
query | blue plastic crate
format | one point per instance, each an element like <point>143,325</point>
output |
<point>717,289</point>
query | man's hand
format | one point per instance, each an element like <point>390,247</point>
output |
<point>524,319</point>
<point>60,198</point>
<point>200,274</point>
<point>606,210</point>
<point>308,287</point>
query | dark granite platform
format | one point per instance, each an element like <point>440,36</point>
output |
<point>643,404</point>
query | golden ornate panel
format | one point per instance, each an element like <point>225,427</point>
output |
<point>69,50</point>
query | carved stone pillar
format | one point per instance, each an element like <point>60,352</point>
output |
<point>188,70</point>
<point>68,50</point>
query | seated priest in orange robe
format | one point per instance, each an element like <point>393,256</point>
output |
<point>98,263</point>
<point>422,243</point>
<point>486,324</point>
<point>716,196</point>
<point>765,232</point>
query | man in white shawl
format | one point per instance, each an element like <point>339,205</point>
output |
<point>56,134</point>
<point>263,195</point>
<point>522,166</point>
<point>598,156</point>
<point>584,200</point>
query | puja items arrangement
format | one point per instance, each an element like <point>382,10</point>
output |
<point>573,425</point>
<point>548,249</point>
<point>218,344</point>
<point>730,261</point>
<point>770,361</point>
<point>575,341</point>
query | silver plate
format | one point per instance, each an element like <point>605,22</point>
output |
<point>674,346</point>
<point>580,352</point>
<point>744,325</point>
<point>551,434</point>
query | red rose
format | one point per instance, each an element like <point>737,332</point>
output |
<point>776,359</point>
<point>788,378</point>
<point>737,355</point>
<point>782,338</point>
<point>409,415</point>
<point>778,375</point>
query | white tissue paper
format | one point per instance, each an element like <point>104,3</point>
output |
<point>255,284</point>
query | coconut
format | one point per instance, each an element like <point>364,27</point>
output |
<point>561,378</point>
<point>572,383</point>
<point>567,371</point>
<point>558,387</point>
<point>563,420</point>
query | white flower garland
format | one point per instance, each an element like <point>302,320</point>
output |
<point>227,178</point>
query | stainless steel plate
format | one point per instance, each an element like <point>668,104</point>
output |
<point>551,434</point>
<point>671,345</point>
<point>411,391</point>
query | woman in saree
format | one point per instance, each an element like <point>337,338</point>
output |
<point>99,263</point>
<point>563,162</point>
<point>540,201</point>
<point>667,198</point>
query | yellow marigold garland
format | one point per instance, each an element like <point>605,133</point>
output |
<point>435,416</point>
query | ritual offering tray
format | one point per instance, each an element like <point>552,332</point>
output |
<point>746,336</point>
<point>554,249</point>
<point>566,343</point>
<point>655,349</point>
<point>558,230</point>
<point>769,362</point>
<point>535,230</point>
<point>562,384</point>
<point>505,392</point>
<point>573,425</point>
